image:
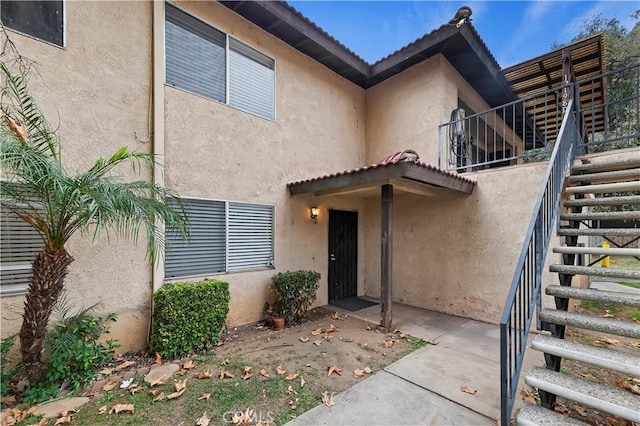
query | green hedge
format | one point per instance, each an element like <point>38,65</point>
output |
<point>188,317</point>
<point>295,291</point>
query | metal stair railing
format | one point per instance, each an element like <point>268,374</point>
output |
<point>525,293</point>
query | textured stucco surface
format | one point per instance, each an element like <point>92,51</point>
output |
<point>96,92</point>
<point>319,129</point>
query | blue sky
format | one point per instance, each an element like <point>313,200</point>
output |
<point>514,30</point>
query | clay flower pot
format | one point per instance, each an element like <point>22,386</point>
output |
<point>278,323</point>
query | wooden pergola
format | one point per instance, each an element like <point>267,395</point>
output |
<point>395,173</point>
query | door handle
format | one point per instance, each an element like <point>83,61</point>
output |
<point>333,256</point>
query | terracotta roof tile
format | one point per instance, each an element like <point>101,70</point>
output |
<point>387,161</point>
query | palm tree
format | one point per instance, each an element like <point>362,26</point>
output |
<point>37,188</point>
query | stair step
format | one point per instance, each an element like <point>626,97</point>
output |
<point>590,322</point>
<point>629,163</point>
<point>609,232</point>
<point>610,297</point>
<point>593,355</point>
<point>600,251</point>
<point>604,201</point>
<point>630,215</point>
<point>596,272</point>
<point>535,415</point>
<point>605,187</point>
<point>601,177</point>
<point>608,399</point>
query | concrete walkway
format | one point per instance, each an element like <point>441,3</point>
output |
<point>423,388</point>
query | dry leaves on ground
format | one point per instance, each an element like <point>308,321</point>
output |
<point>580,409</point>
<point>204,420</point>
<point>317,331</point>
<point>604,341</point>
<point>302,382</point>
<point>265,372</point>
<point>225,375</point>
<point>110,385</point>
<point>160,397</point>
<point>102,410</point>
<point>388,342</point>
<point>337,316</point>
<point>317,343</point>
<point>334,369</point>
<point>290,391</point>
<point>158,359</point>
<point>188,364</point>
<point>135,388</point>
<point>631,384</point>
<point>280,370</point>
<point>328,337</point>
<point>179,385</point>
<point>468,389</point>
<point>327,398</point>
<point>430,342</point>
<point>206,374</point>
<point>124,365</point>
<point>122,408</point>
<point>304,339</point>
<point>559,408</point>
<point>332,329</point>
<point>68,418</point>
<point>528,396</point>
<point>13,415</point>
<point>292,376</point>
<point>247,372</point>
<point>359,373</point>
<point>204,396</point>
<point>155,382</point>
<point>176,394</point>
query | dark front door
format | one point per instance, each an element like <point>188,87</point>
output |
<point>343,254</point>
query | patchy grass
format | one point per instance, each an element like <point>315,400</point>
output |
<point>625,262</point>
<point>628,284</point>
<point>627,313</point>
<point>308,350</point>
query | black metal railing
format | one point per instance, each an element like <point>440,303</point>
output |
<point>612,121</point>
<point>525,293</point>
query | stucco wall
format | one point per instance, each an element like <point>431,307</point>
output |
<point>96,92</point>
<point>457,254</point>
<point>319,129</point>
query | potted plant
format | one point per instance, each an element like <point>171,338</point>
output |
<point>273,315</point>
<point>294,292</point>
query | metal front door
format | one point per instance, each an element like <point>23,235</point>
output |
<point>343,254</point>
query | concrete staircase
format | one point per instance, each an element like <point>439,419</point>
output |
<point>605,178</point>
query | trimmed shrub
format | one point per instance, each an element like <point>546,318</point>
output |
<point>295,291</point>
<point>188,317</point>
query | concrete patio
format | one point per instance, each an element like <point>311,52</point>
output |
<point>424,387</point>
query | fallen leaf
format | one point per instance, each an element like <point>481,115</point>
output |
<point>327,398</point>
<point>158,359</point>
<point>110,385</point>
<point>334,369</point>
<point>337,316</point>
<point>181,372</point>
<point>317,343</point>
<point>188,364</point>
<point>247,373</point>
<point>204,420</point>
<point>316,331</point>
<point>328,337</point>
<point>559,408</point>
<point>608,341</point>
<point>302,382</point>
<point>20,130</point>
<point>106,371</point>
<point>176,394</point>
<point>179,385</point>
<point>528,396</point>
<point>304,339</point>
<point>629,385</point>
<point>280,370</point>
<point>367,327</point>
<point>135,389</point>
<point>430,342</point>
<point>468,389</point>
<point>9,399</point>
<point>292,405</point>
<point>265,372</point>
<point>102,410</point>
<point>292,376</point>
<point>119,408</point>
<point>203,375</point>
<point>367,370</point>
<point>154,392</point>
<point>332,329</point>
<point>155,382</point>
<point>204,396</point>
<point>63,420</point>
<point>225,375</point>
<point>160,397</point>
<point>124,365</point>
<point>290,390</point>
<point>388,342</point>
<point>358,373</point>
<point>580,410</point>
<point>225,362</point>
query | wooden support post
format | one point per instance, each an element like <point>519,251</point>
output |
<point>386,256</point>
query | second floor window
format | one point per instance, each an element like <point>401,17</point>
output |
<point>208,62</point>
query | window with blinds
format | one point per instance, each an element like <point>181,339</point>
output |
<point>224,237</point>
<point>19,243</point>
<point>196,61</point>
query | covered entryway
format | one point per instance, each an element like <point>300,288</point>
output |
<point>400,172</point>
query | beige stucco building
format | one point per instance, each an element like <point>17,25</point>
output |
<point>124,75</point>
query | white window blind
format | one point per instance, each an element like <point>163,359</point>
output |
<point>196,61</point>
<point>195,55</point>
<point>251,77</point>
<point>250,236</point>
<point>225,237</point>
<point>19,243</point>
